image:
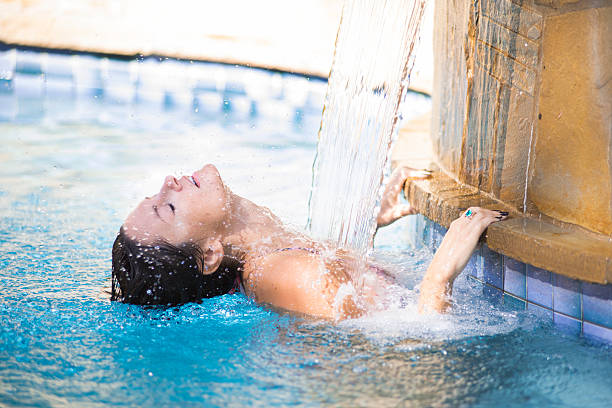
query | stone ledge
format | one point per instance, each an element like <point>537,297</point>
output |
<point>565,249</point>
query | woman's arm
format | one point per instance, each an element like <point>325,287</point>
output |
<point>456,247</point>
<point>453,255</point>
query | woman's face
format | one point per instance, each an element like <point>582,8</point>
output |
<point>190,209</point>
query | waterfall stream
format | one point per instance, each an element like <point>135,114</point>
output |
<point>369,77</point>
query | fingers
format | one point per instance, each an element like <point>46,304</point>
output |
<point>402,174</point>
<point>500,215</point>
<point>408,173</point>
<point>484,216</point>
<point>419,174</point>
<point>403,210</point>
<point>390,209</point>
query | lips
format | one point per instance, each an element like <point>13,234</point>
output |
<point>194,179</point>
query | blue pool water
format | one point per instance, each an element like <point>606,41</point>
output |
<point>74,162</point>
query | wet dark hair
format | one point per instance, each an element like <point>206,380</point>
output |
<point>165,274</point>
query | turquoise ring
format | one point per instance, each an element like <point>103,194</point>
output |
<point>469,213</point>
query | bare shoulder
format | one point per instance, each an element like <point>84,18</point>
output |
<point>293,280</point>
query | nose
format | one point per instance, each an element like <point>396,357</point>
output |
<point>170,183</point>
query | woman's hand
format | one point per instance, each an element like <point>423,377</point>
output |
<point>390,207</point>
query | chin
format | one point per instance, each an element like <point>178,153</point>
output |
<point>208,176</point>
<point>210,167</point>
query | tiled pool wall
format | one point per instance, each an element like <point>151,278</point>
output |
<point>575,307</point>
<point>32,81</point>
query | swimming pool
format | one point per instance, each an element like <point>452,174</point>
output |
<point>85,138</point>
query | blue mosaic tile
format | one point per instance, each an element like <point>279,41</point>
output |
<point>540,311</point>
<point>418,231</point>
<point>235,87</point>
<point>597,303</point>
<point>29,86</point>
<point>275,85</point>
<point>314,101</point>
<point>227,104</point>
<point>437,235</point>
<point>274,109</point>
<point>120,93</point>
<point>427,233</point>
<point>296,90</point>
<point>59,86</point>
<point>240,106</point>
<point>207,102</point>
<point>566,295</point>
<point>150,85</point>
<point>60,105</point>
<point>494,295</point>
<point>178,99</point>
<point>9,107</point>
<point>29,63</point>
<point>119,81</point>
<point>6,86</point>
<point>515,277</point>
<point>597,332</point>
<point>257,86</point>
<point>30,109</point>
<point>57,66</point>
<point>118,72</point>
<point>474,265</point>
<point>154,98</point>
<point>539,287</point>
<point>7,64</point>
<point>411,226</point>
<point>88,75</point>
<point>567,324</point>
<point>514,303</point>
<point>492,267</point>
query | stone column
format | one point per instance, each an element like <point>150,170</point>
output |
<point>522,104</point>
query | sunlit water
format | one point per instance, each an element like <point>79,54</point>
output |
<point>369,76</point>
<point>68,179</point>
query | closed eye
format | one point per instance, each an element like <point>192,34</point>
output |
<point>171,207</point>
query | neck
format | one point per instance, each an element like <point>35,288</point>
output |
<point>249,227</point>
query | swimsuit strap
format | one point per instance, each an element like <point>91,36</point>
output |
<point>312,251</point>
<point>237,286</point>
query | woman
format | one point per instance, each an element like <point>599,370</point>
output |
<point>196,239</point>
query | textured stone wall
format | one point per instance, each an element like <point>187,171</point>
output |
<point>522,104</point>
<point>573,152</point>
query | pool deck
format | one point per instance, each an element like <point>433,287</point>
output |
<point>287,35</point>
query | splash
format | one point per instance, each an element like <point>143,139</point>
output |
<point>369,77</point>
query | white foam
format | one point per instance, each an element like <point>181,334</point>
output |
<point>471,314</point>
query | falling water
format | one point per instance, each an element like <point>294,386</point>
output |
<point>527,169</point>
<point>368,79</point>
